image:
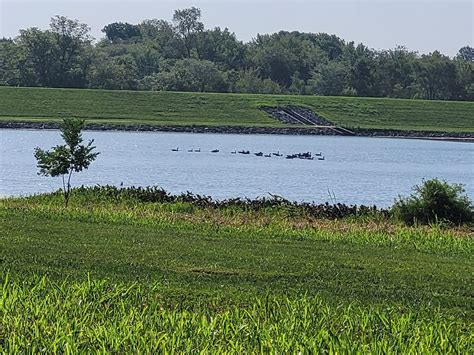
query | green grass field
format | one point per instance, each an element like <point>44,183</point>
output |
<point>119,275</point>
<point>207,109</point>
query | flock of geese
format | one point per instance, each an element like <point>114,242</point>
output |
<point>304,156</point>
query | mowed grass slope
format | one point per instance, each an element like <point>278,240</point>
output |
<point>208,109</point>
<point>123,275</point>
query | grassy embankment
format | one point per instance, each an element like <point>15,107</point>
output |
<point>120,275</point>
<point>206,109</point>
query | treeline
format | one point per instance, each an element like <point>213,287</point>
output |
<point>182,55</point>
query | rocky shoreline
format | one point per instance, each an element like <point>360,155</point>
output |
<point>455,136</point>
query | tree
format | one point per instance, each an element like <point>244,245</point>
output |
<point>56,57</point>
<point>70,39</point>
<point>436,75</point>
<point>282,55</point>
<point>332,45</point>
<point>114,67</point>
<point>221,47</point>
<point>465,79</point>
<point>188,75</point>
<point>164,37</point>
<point>63,160</point>
<point>394,73</point>
<point>361,64</point>
<point>330,79</point>
<point>466,53</point>
<point>9,63</point>
<point>124,31</point>
<point>146,59</point>
<point>273,59</point>
<point>250,82</point>
<point>37,61</point>
<point>188,25</point>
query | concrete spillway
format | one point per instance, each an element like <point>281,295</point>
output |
<point>303,116</point>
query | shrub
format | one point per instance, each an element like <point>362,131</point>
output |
<point>434,201</point>
<point>189,201</point>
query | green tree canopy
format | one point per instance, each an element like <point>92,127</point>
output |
<point>188,26</point>
<point>151,55</point>
<point>121,31</point>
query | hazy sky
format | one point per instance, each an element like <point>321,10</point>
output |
<point>422,25</point>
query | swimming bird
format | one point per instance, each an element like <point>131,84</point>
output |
<point>197,150</point>
<point>175,149</point>
<point>190,150</point>
<point>215,151</point>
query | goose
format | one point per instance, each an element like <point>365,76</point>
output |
<point>234,152</point>
<point>175,149</point>
<point>197,150</point>
<point>190,150</point>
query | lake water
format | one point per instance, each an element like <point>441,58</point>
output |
<point>355,170</point>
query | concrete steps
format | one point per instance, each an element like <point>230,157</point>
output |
<point>303,116</point>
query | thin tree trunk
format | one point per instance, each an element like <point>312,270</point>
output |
<point>64,191</point>
<point>68,187</point>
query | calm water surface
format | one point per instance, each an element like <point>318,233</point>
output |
<point>356,170</point>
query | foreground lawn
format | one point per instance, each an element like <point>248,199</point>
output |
<point>121,276</point>
<point>207,109</point>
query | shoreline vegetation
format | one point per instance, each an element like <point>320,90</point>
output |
<point>127,270</point>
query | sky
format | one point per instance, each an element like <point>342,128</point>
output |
<point>420,25</point>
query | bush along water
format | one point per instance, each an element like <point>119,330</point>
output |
<point>432,202</point>
<point>435,201</point>
<point>154,194</point>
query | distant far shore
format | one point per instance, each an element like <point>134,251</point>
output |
<point>376,133</point>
